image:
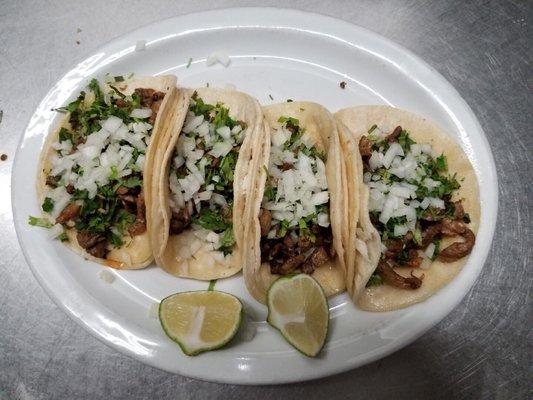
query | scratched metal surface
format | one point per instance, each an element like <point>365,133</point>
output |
<point>482,350</point>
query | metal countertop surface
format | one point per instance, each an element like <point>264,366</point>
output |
<point>482,350</point>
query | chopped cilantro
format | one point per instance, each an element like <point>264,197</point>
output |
<point>131,182</point>
<point>375,280</point>
<point>64,134</point>
<point>115,240</point>
<point>372,128</point>
<point>63,237</point>
<point>437,250</point>
<point>441,163</point>
<point>48,204</point>
<point>114,173</point>
<point>118,92</point>
<point>283,227</point>
<point>211,220</point>
<point>189,62</point>
<point>270,190</point>
<point>284,120</point>
<point>417,237</point>
<point>227,241</point>
<point>42,222</point>
<point>227,167</point>
<point>119,78</point>
<point>405,141</point>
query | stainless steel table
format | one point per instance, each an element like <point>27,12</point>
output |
<point>482,350</point>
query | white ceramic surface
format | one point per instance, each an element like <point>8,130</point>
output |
<point>274,53</point>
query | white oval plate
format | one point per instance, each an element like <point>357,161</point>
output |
<point>279,53</point>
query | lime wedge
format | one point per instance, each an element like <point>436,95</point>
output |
<point>200,321</point>
<point>298,308</point>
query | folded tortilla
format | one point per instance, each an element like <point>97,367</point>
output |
<point>321,130</point>
<point>136,252</point>
<point>185,254</point>
<point>364,251</point>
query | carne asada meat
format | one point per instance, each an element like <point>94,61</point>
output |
<point>265,221</point>
<point>139,225</point>
<point>392,278</point>
<point>69,213</point>
<point>94,243</point>
<point>152,99</point>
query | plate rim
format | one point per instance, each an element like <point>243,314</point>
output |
<point>313,19</point>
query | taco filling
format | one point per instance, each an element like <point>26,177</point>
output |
<point>202,173</point>
<point>94,184</point>
<point>411,205</point>
<point>294,216</point>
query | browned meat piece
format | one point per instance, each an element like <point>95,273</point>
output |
<point>291,264</point>
<point>429,234</point>
<point>99,250</point>
<point>304,242</point>
<point>70,188</point>
<point>227,214</point>
<point>317,258</point>
<point>291,127</point>
<point>151,98</point>
<point>128,202</point>
<point>265,246</point>
<point>179,221</point>
<point>459,212</point>
<point>365,147</point>
<point>331,251</point>
<point>394,135</point>
<point>122,190</point>
<point>70,212</point>
<point>288,242</point>
<point>414,260</point>
<point>452,228</point>
<point>52,181</point>
<point>120,103</point>
<point>139,226</point>
<point>286,166</point>
<point>276,250</point>
<point>394,279</point>
<point>88,239</point>
<point>432,214</point>
<point>394,247</point>
<point>265,221</point>
<point>458,250</point>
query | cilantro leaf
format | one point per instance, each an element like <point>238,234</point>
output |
<point>48,204</point>
<point>42,222</point>
<point>375,280</point>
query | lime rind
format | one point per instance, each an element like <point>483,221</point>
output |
<point>271,318</point>
<point>195,351</point>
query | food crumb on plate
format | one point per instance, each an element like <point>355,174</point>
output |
<point>153,311</point>
<point>217,57</point>
<point>140,45</point>
<point>106,276</point>
<point>342,84</point>
<point>3,157</point>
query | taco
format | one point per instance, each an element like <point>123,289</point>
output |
<point>297,206</point>
<point>91,184</point>
<point>416,211</point>
<point>202,171</point>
